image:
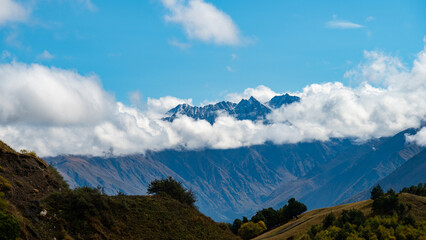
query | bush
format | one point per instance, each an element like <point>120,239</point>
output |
<point>352,216</point>
<point>4,184</point>
<point>28,153</point>
<point>172,188</point>
<point>250,230</point>
<point>328,220</point>
<point>9,227</point>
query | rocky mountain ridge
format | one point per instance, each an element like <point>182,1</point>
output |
<point>246,109</point>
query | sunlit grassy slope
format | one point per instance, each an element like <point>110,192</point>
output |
<point>306,220</point>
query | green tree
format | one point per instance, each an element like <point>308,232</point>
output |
<point>291,210</point>
<point>270,217</point>
<point>236,225</point>
<point>377,192</point>
<point>386,204</point>
<point>172,188</point>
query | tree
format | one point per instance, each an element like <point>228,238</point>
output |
<point>236,225</point>
<point>387,203</point>
<point>174,189</point>
<point>250,229</point>
<point>291,210</point>
<point>328,220</point>
<point>377,192</point>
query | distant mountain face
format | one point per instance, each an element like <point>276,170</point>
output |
<point>410,173</point>
<point>250,109</point>
<point>235,182</point>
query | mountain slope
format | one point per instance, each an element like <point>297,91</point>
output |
<point>352,171</point>
<point>410,173</point>
<point>303,223</point>
<point>47,209</point>
<point>235,182</point>
<point>228,183</point>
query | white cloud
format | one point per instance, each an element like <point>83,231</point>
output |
<point>419,138</point>
<point>12,11</point>
<point>230,69</point>
<point>88,4</point>
<point>203,21</point>
<point>261,93</point>
<point>234,56</point>
<point>369,19</point>
<point>179,44</point>
<point>45,55</point>
<point>55,111</point>
<point>35,94</point>
<point>340,24</point>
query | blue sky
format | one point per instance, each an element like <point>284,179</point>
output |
<point>284,45</point>
<point>84,76</point>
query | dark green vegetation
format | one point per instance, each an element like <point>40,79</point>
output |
<point>266,219</point>
<point>390,219</point>
<point>385,216</point>
<point>420,189</point>
<point>172,188</point>
<point>38,204</point>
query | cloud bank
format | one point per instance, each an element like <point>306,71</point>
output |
<point>203,21</point>
<point>55,111</point>
<point>12,11</point>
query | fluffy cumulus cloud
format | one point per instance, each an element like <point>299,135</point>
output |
<point>261,93</point>
<point>54,111</point>
<point>419,138</point>
<point>12,11</point>
<point>203,21</point>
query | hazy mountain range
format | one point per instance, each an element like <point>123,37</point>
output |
<point>234,182</point>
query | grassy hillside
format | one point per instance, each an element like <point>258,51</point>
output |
<point>302,224</point>
<point>38,203</point>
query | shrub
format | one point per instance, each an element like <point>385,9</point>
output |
<point>4,184</point>
<point>328,220</point>
<point>28,153</point>
<point>352,216</point>
<point>172,188</point>
<point>250,230</point>
<point>9,227</point>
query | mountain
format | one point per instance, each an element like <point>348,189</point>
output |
<point>227,183</point>
<point>278,101</point>
<point>354,170</point>
<point>235,182</point>
<point>209,112</point>
<point>250,109</point>
<point>40,205</point>
<point>410,173</point>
